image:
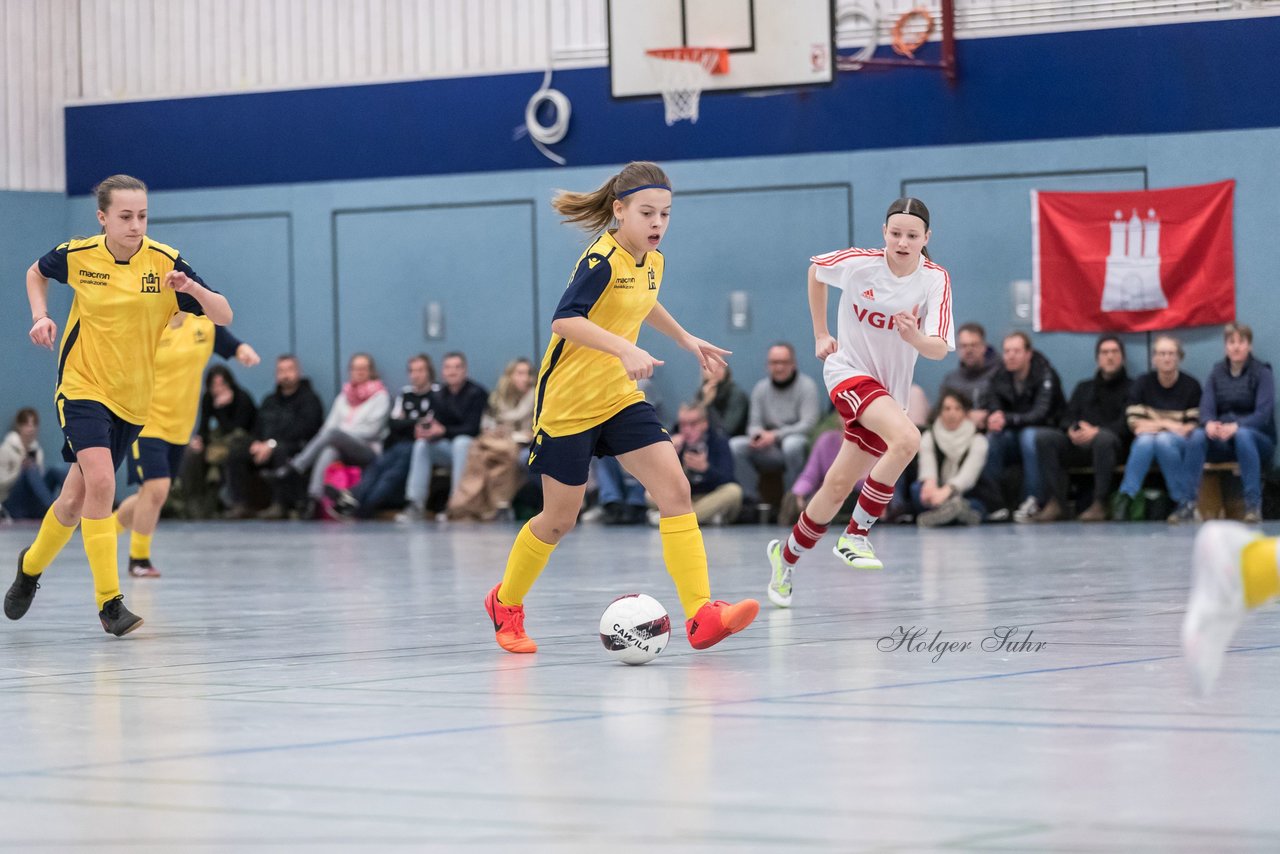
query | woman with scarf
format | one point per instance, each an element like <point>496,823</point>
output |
<point>352,433</point>
<point>949,486</point>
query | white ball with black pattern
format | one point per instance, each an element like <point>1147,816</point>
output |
<point>635,628</point>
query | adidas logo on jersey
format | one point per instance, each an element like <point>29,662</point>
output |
<point>869,294</point>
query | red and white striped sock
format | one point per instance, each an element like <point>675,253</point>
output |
<point>804,536</point>
<point>872,501</point>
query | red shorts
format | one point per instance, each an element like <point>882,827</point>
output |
<point>851,398</point>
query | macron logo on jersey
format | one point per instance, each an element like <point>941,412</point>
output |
<point>869,294</point>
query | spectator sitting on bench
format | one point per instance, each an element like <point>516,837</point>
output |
<point>951,487</point>
<point>1237,411</point>
<point>1164,407</point>
<point>1095,435</point>
<point>383,484</point>
<point>978,363</point>
<point>457,407</point>
<point>352,433</point>
<point>1023,399</point>
<point>724,399</point>
<point>784,407</point>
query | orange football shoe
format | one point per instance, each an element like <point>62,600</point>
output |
<point>508,624</point>
<point>716,620</point>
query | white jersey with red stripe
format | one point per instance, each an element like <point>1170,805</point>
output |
<point>870,296</point>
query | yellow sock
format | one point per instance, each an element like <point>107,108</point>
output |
<point>528,556</point>
<point>51,538</point>
<point>139,546</point>
<point>120,528</point>
<point>686,560</point>
<point>1261,574</point>
<point>99,537</point>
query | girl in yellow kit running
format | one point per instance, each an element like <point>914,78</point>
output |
<point>588,404</point>
<point>156,457</point>
<point>127,288</point>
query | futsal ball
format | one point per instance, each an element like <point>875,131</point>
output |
<point>635,628</point>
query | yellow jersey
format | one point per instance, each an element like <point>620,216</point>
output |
<point>579,387</point>
<point>180,359</point>
<point>118,314</point>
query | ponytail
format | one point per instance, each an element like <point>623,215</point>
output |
<point>593,211</point>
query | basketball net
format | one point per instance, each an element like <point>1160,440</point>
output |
<point>683,72</point>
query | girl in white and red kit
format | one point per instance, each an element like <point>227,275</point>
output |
<point>895,304</point>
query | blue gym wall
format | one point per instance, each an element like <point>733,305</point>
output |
<point>1134,80</point>
<point>326,268</point>
<point>30,225</point>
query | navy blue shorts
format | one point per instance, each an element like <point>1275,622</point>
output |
<point>568,458</point>
<point>153,459</point>
<point>89,424</point>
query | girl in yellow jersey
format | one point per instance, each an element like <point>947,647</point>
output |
<point>127,288</point>
<point>155,458</point>
<point>587,404</point>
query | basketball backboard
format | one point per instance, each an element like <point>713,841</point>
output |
<point>771,43</point>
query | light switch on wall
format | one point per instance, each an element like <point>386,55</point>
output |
<point>433,321</point>
<point>739,310</point>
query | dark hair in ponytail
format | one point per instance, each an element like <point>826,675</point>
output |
<point>593,211</point>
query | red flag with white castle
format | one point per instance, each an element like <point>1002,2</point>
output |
<point>1133,261</point>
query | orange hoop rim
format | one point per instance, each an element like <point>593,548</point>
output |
<point>695,54</point>
<point>900,45</point>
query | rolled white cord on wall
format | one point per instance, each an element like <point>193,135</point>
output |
<point>870,13</point>
<point>544,135</point>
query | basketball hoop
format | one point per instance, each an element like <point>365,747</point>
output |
<point>683,72</point>
<point>901,45</point>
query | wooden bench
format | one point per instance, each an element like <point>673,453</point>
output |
<point>1214,492</point>
<point>1215,483</point>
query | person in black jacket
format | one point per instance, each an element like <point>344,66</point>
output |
<point>457,407</point>
<point>1023,398</point>
<point>1237,417</point>
<point>287,420</point>
<point>383,484</point>
<point>227,413</point>
<point>1095,435</point>
<point>225,408</point>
